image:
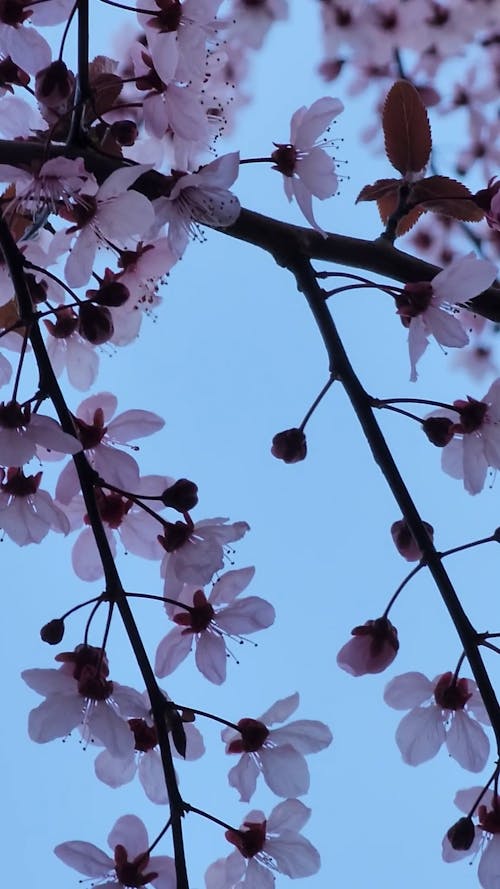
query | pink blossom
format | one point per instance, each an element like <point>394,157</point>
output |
<point>28,513</point>
<point>112,213</point>
<point>201,198</point>
<point>23,44</point>
<point>445,710</point>
<point>79,694</point>
<point>21,431</point>
<point>249,23</point>
<point>276,753</point>
<point>371,650</point>
<point>122,518</point>
<point>99,434</point>
<point>426,307</point>
<point>307,169</point>
<point>57,179</point>
<point>131,864</point>
<point>207,621</point>
<point>474,440</point>
<point>264,846</point>
<point>195,552</point>
<point>68,350</point>
<point>486,839</point>
<point>145,760</point>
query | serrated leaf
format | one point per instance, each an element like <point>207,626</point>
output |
<point>447,196</point>
<point>387,205</point>
<point>407,131</point>
<point>379,189</point>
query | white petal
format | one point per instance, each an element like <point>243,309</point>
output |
<point>134,424</point>
<point>281,710</point>
<point>285,771</point>
<point>111,729</point>
<point>171,651</point>
<point>230,585</point>
<point>129,831</point>
<point>113,770</point>
<point>211,658</point>
<point>489,864</point>
<point>291,814</point>
<point>246,616</point>
<point>152,777</point>
<point>55,717</point>
<point>475,465</point>
<point>243,776</point>
<point>305,735</point>
<point>294,855</point>
<point>465,277</point>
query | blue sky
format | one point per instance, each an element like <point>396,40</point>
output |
<point>231,357</point>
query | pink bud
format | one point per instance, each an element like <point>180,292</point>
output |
<point>372,648</point>
<point>404,541</point>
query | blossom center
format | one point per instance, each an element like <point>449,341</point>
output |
<point>129,873</point>
<point>472,414</point>
<point>413,300</point>
<point>145,735</point>
<point>253,734</point>
<point>199,617</point>
<point>176,535</point>
<point>20,485</point>
<point>169,18</point>
<point>451,695</point>
<point>249,842</point>
<point>285,159</point>
<point>13,416</point>
<point>91,435</point>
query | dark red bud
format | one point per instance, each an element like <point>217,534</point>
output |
<point>125,132</point>
<point>461,834</point>
<point>53,632</point>
<point>439,430</point>
<point>290,446</point>
<point>95,324</point>
<point>182,495</point>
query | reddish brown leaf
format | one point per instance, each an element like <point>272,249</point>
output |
<point>447,196</point>
<point>9,315</point>
<point>406,127</point>
<point>379,189</point>
<point>387,204</point>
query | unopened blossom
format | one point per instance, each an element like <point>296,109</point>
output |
<point>405,542</point>
<point>486,839</point>
<point>372,649</point>
<point>21,431</point>
<point>195,552</point>
<point>145,759</point>
<point>79,694</point>
<point>131,864</point>
<point>99,434</point>
<point>206,622</point>
<point>112,214</point>
<point>306,167</point>
<point>201,198</point>
<point>276,753</point>
<point>427,308</point>
<point>473,442</point>
<point>264,846</point>
<point>445,710</point>
<point>27,512</point>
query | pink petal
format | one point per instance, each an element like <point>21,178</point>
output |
<point>120,180</point>
<point>294,855</point>
<point>285,771</point>
<point>85,858</point>
<point>246,616</point>
<point>475,465</point>
<point>315,121</point>
<point>115,771</point>
<point>243,776</point>
<point>211,657</point>
<point>467,742</point>
<point>305,735</point>
<point>489,864</point>
<point>317,172</point>
<point>281,710</point>
<point>465,277</point>
<point>230,585</point>
<point>446,328</point>
<point>172,650</point>
<point>152,777</point>
<point>48,433</point>
<point>47,681</point>
<point>55,717</point>
<point>134,424</point>
<point>111,729</point>
<point>408,690</point>
<point>291,814</point>
<point>420,734</point>
<point>129,831</point>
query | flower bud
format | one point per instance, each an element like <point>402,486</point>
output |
<point>405,542</point>
<point>111,293</point>
<point>95,324</point>
<point>371,650</point>
<point>125,132</point>
<point>461,834</point>
<point>53,632</point>
<point>182,495</point>
<point>54,85</point>
<point>290,446</point>
<point>439,430</point>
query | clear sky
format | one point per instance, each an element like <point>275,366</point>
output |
<point>231,357</point>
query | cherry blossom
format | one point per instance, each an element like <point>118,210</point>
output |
<point>371,650</point>
<point>131,864</point>
<point>207,621</point>
<point>145,760</point>
<point>57,179</point>
<point>473,442</point>
<point>200,198</point>
<point>28,513</point>
<point>69,350</point>
<point>195,552</point>
<point>23,44</point>
<point>79,694</point>
<point>99,434</point>
<point>276,753</point>
<point>485,837</point>
<point>426,307</point>
<point>21,431</point>
<point>250,22</point>
<point>111,213</point>
<point>265,846</point>
<point>445,710</point>
<point>307,169</point>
